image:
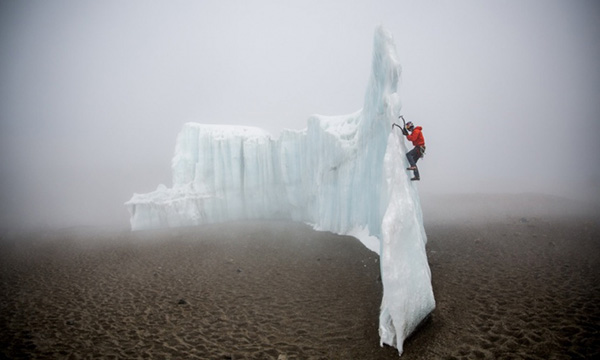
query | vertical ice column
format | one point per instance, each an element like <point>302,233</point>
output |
<point>381,107</point>
<point>396,218</point>
<point>293,167</point>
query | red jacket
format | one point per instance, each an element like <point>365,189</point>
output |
<point>416,137</point>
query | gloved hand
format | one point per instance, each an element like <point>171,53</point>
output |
<point>405,132</point>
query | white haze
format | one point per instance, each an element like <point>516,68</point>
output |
<point>93,93</point>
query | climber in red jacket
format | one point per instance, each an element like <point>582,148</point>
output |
<point>416,136</point>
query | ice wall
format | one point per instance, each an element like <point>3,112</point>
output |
<point>344,174</point>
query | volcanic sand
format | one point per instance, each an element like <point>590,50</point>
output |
<point>510,287</point>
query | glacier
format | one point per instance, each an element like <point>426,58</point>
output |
<point>345,174</point>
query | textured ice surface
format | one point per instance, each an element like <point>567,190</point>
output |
<point>344,174</point>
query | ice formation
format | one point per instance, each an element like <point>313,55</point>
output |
<point>344,174</point>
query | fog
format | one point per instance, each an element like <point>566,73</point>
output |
<point>93,94</point>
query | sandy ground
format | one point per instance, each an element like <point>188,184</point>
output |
<point>507,286</point>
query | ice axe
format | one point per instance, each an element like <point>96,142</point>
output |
<point>402,128</point>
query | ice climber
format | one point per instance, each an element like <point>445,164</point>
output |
<point>416,136</point>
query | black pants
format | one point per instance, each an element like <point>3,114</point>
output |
<point>413,156</point>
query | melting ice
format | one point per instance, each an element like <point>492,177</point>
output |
<point>344,174</point>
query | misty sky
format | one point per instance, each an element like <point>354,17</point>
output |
<point>93,93</point>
